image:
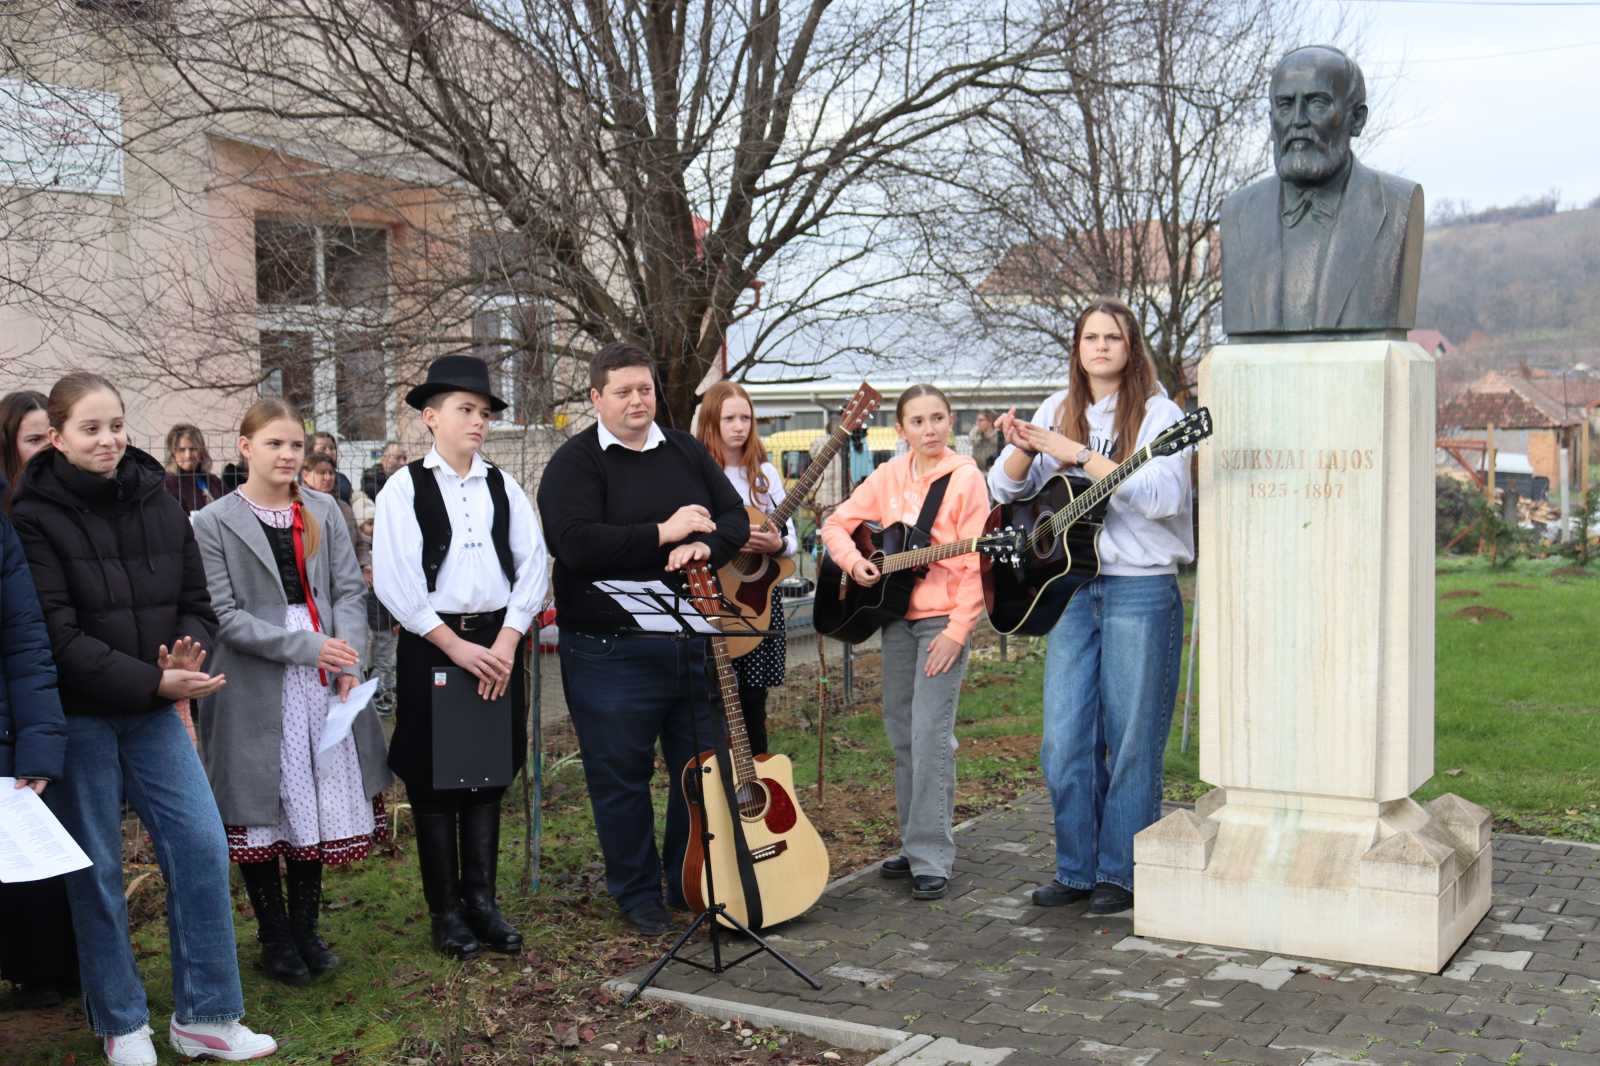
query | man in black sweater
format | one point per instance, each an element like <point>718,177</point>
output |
<point>628,500</point>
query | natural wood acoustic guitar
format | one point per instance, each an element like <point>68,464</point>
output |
<point>788,861</point>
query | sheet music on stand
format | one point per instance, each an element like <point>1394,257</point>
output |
<point>657,609</point>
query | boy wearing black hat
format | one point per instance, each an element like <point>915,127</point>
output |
<point>459,559</point>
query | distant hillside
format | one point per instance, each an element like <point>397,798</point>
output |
<point>1532,286</point>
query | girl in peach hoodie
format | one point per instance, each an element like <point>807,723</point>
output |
<point>925,653</point>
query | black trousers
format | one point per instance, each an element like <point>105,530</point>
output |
<point>625,694</point>
<point>411,747</point>
<point>753,700</point>
<point>36,941</point>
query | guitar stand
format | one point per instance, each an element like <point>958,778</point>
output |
<point>714,909</point>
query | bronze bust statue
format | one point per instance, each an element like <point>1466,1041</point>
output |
<point>1325,244</point>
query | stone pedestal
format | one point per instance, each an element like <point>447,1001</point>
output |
<point>1316,609</point>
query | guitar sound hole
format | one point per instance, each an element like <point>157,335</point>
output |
<point>752,801</point>
<point>1039,539</point>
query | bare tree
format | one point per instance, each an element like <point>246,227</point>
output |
<point>1112,185</point>
<point>633,167</point>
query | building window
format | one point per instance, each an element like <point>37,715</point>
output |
<point>515,336</point>
<point>287,368</point>
<point>321,294</point>
<point>363,390</point>
<point>286,269</point>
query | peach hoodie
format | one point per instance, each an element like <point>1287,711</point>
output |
<point>893,494</point>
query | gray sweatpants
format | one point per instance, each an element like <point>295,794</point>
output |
<point>381,661</point>
<point>919,715</point>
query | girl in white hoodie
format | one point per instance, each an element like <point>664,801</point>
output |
<point>1111,662</point>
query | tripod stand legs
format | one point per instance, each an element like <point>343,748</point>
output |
<point>717,966</point>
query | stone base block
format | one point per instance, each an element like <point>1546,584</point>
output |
<point>1394,884</point>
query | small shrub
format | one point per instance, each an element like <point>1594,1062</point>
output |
<point>1455,507</point>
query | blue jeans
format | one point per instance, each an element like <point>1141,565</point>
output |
<point>149,758</point>
<point>1110,679</point>
<point>623,694</point>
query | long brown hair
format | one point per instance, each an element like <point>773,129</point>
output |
<point>270,409</point>
<point>1138,382</point>
<point>175,437</point>
<point>13,409</point>
<point>709,430</point>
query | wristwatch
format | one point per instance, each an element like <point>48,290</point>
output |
<point>1083,456</point>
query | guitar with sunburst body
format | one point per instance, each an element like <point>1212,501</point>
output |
<point>749,578</point>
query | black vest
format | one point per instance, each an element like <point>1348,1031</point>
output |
<point>428,504</point>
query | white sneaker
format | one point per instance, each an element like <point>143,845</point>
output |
<point>131,1049</point>
<point>228,1041</point>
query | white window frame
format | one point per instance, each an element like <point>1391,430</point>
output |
<point>506,374</point>
<point>326,323</point>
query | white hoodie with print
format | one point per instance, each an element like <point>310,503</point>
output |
<point>1149,524</point>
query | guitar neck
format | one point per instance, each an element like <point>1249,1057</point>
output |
<point>744,764</point>
<point>920,557</point>
<point>1087,500</point>
<point>809,477</point>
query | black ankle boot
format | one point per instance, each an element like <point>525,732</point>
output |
<point>480,854</point>
<point>279,957</point>
<point>305,907</point>
<point>441,884</point>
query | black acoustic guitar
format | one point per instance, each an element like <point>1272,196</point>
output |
<point>1061,552</point>
<point>850,612</point>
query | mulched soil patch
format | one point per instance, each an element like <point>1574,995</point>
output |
<point>1513,585</point>
<point>1460,594</point>
<point>1478,615</point>
<point>556,1013</point>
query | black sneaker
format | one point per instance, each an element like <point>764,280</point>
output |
<point>896,868</point>
<point>1110,899</point>
<point>927,886</point>
<point>1056,894</point>
<point>651,918</point>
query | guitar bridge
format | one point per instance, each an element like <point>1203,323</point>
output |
<point>770,851</point>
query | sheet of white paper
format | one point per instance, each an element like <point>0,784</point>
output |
<point>33,845</point>
<point>342,714</point>
<point>650,613</point>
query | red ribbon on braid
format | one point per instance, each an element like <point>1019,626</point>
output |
<point>305,582</point>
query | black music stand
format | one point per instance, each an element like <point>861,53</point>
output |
<point>675,616</point>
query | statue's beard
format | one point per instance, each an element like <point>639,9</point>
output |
<point>1308,163</point>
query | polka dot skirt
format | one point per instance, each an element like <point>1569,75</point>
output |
<point>325,814</point>
<point>764,666</point>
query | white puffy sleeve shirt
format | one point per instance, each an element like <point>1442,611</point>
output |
<point>471,579</point>
<point>770,500</point>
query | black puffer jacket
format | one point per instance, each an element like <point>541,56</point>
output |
<point>118,574</point>
<point>33,735</point>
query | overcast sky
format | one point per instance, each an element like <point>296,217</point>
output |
<point>1471,122</point>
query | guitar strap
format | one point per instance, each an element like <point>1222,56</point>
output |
<point>921,534</point>
<point>741,849</point>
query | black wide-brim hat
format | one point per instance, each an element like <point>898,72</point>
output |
<point>456,373</point>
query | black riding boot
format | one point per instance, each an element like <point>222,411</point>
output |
<point>305,907</point>
<point>441,883</point>
<point>279,958</point>
<point>480,853</point>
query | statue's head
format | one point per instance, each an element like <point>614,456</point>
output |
<point>1318,102</point>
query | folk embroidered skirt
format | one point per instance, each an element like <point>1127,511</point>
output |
<point>324,814</point>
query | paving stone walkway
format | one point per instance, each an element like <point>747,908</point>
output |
<point>987,969</point>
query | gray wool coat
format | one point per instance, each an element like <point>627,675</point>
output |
<point>241,727</point>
